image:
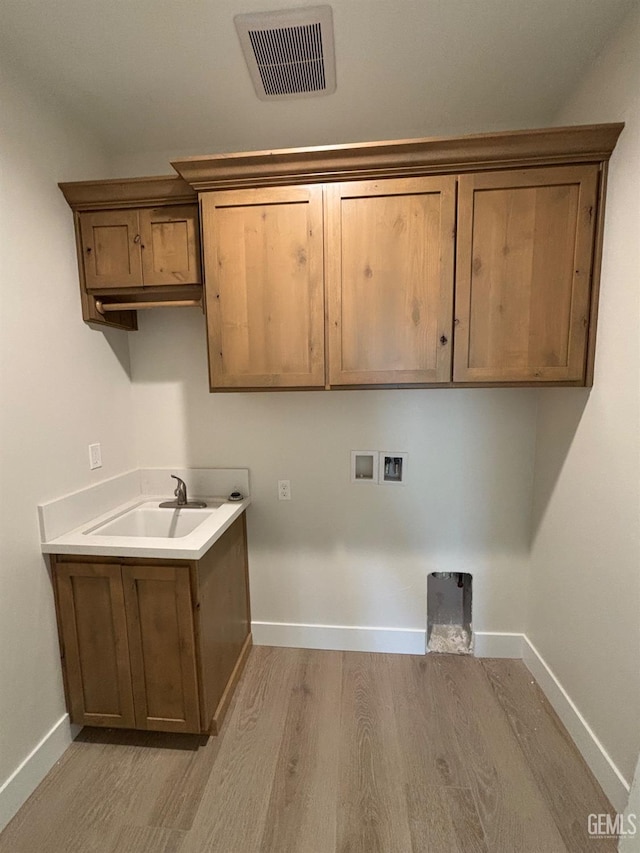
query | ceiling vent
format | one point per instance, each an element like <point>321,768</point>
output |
<point>289,53</point>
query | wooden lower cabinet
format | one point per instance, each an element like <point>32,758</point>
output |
<point>151,644</point>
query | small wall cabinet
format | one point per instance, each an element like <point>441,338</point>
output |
<point>150,247</point>
<point>136,240</point>
<point>154,645</point>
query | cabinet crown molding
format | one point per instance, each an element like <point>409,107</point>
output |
<point>127,192</point>
<point>398,158</point>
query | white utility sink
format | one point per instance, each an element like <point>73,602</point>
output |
<point>151,521</point>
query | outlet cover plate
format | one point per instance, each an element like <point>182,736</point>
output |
<point>95,456</point>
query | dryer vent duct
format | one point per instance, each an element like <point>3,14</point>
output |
<point>290,53</point>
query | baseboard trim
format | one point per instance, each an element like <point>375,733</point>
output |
<point>347,638</point>
<point>600,762</point>
<point>405,641</point>
<point>27,776</point>
<point>495,644</point>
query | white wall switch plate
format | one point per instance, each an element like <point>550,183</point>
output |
<point>284,490</point>
<point>95,456</point>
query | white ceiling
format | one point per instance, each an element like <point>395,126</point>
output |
<point>168,75</point>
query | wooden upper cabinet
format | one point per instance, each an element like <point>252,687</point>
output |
<point>390,266</point>
<point>263,256</point>
<point>150,247</point>
<point>111,249</point>
<point>523,274</point>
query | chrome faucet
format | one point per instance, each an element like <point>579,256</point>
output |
<point>181,501</point>
<point>181,491</point>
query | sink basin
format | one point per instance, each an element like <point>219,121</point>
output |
<point>151,521</point>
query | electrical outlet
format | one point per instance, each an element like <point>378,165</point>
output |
<point>95,456</point>
<point>284,490</point>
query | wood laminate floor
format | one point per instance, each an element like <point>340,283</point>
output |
<point>332,751</point>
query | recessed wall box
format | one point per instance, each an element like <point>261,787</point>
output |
<point>449,613</point>
<point>364,466</point>
<point>392,467</point>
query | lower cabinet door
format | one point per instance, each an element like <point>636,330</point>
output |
<point>162,647</point>
<point>93,630</point>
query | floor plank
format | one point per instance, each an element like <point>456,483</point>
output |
<point>302,807</point>
<point>331,752</point>
<point>441,810</point>
<point>372,809</point>
<point>235,802</point>
<point>570,791</point>
<point>466,827</point>
<point>178,798</point>
<point>96,789</point>
<point>146,840</point>
<point>513,813</point>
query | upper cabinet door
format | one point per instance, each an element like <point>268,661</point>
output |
<point>390,258</point>
<point>111,249</point>
<point>170,245</point>
<point>264,287</point>
<point>525,246</point>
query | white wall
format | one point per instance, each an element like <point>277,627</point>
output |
<point>63,386</point>
<point>585,562</point>
<point>342,553</point>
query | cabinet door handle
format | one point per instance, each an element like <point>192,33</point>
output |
<point>136,239</point>
<point>443,339</point>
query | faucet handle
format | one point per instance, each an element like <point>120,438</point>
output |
<point>181,488</point>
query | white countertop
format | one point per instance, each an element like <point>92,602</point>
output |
<point>66,522</point>
<point>193,546</point>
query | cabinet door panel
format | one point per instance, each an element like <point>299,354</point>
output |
<point>390,278</point>
<point>523,274</point>
<point>96,655</point>
<point>264,287</point>
<point>111,249</point>
<point>170,245</point>
<point>162,647</point>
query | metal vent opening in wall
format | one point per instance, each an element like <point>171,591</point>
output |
<point>289,53</point>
